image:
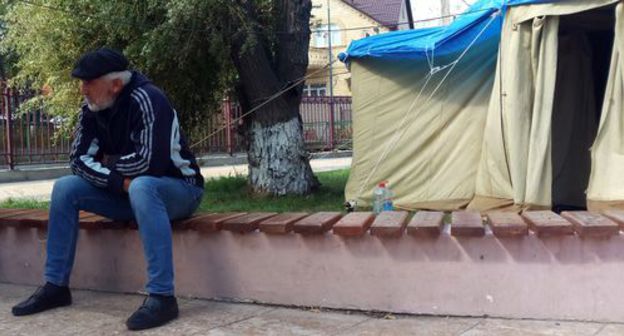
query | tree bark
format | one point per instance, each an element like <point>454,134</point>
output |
<point>2,70</point>
<point>278,160</point>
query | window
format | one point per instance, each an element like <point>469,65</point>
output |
<point>315,90</point>
<point>320,38</point>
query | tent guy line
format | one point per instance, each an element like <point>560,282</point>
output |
<point>267,101</point>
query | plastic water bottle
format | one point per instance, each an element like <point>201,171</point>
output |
<point>379,196</point>
<point>387,201</point>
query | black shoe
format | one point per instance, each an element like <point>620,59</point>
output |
<point>155,311</point>
<point>47,297</point>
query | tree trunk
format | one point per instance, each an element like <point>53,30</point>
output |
<point>2,70</point>
<point>278,161</point>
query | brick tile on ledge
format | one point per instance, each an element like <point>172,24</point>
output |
<point>467,224</point>
<point>95,222</point>
<point>615,215</point>
<point>389,224</point>
<point>507,224</point>
<point>547,223</point>
<point>282,223</point>
<point>426,224</point>
<point>8,212</point>
<point>588,224</point>
<point>85,215</point>
<point>354,224</point>
<point>89,221</point>
<point>10,217</point>
<point>317,223</point>
<point>211,222</point>
<point>246,223</point>
<point>186,223</point>
<point>37,218</point>
<point>386,224</point>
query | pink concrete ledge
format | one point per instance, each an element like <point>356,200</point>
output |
<point>513,272</point>
<point>528,277</point>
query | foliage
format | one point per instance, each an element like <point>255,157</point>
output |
<point>195,50</point>
<point>173,42</point>
<point>183,45</point>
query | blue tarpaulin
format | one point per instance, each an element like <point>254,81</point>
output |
<point>483,20</point>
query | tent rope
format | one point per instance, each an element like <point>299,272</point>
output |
<point>395,137</point>
<point>266,101</point>
<point>502,96</point>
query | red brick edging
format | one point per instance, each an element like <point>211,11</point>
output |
<point>386,224</point>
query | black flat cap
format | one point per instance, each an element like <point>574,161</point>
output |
<point>98,63</point>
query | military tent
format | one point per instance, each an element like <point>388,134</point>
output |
<point>517,104</point>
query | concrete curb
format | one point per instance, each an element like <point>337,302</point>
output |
<point>33,174</point>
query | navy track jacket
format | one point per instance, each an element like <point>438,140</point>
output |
<point>139,135</point>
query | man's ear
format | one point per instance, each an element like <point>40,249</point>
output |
<point>117,85</point>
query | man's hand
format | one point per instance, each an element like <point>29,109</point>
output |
<point>126,184</point>
<point>109,160</point>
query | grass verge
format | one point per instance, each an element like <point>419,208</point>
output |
<point>231,194</point>
<point>24,203</point>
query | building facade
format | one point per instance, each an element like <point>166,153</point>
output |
<point>346,22</point>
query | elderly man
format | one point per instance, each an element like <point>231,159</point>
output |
<point>130,161</point>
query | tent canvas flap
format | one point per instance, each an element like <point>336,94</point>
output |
<point>529,12</point>
<point>607,181</point>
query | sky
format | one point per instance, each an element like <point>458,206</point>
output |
<point>426,9</point>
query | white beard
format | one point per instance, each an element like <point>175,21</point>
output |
<point>99,107</point>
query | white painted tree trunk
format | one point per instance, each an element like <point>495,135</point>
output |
<point>278,160</point>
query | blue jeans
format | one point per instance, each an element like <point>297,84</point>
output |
<point>152,201</point>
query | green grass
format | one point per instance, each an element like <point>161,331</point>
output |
<point>231,194</point>
<point>24,203</point>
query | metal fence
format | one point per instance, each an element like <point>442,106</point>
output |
<point>221,131</point>
<point>28,137</point>
<point>326,122</point>
<point>33,137</point>
<point>322,129</point>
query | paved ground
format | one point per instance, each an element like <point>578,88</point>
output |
<point>97,313</point>
<point>42,189</point>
